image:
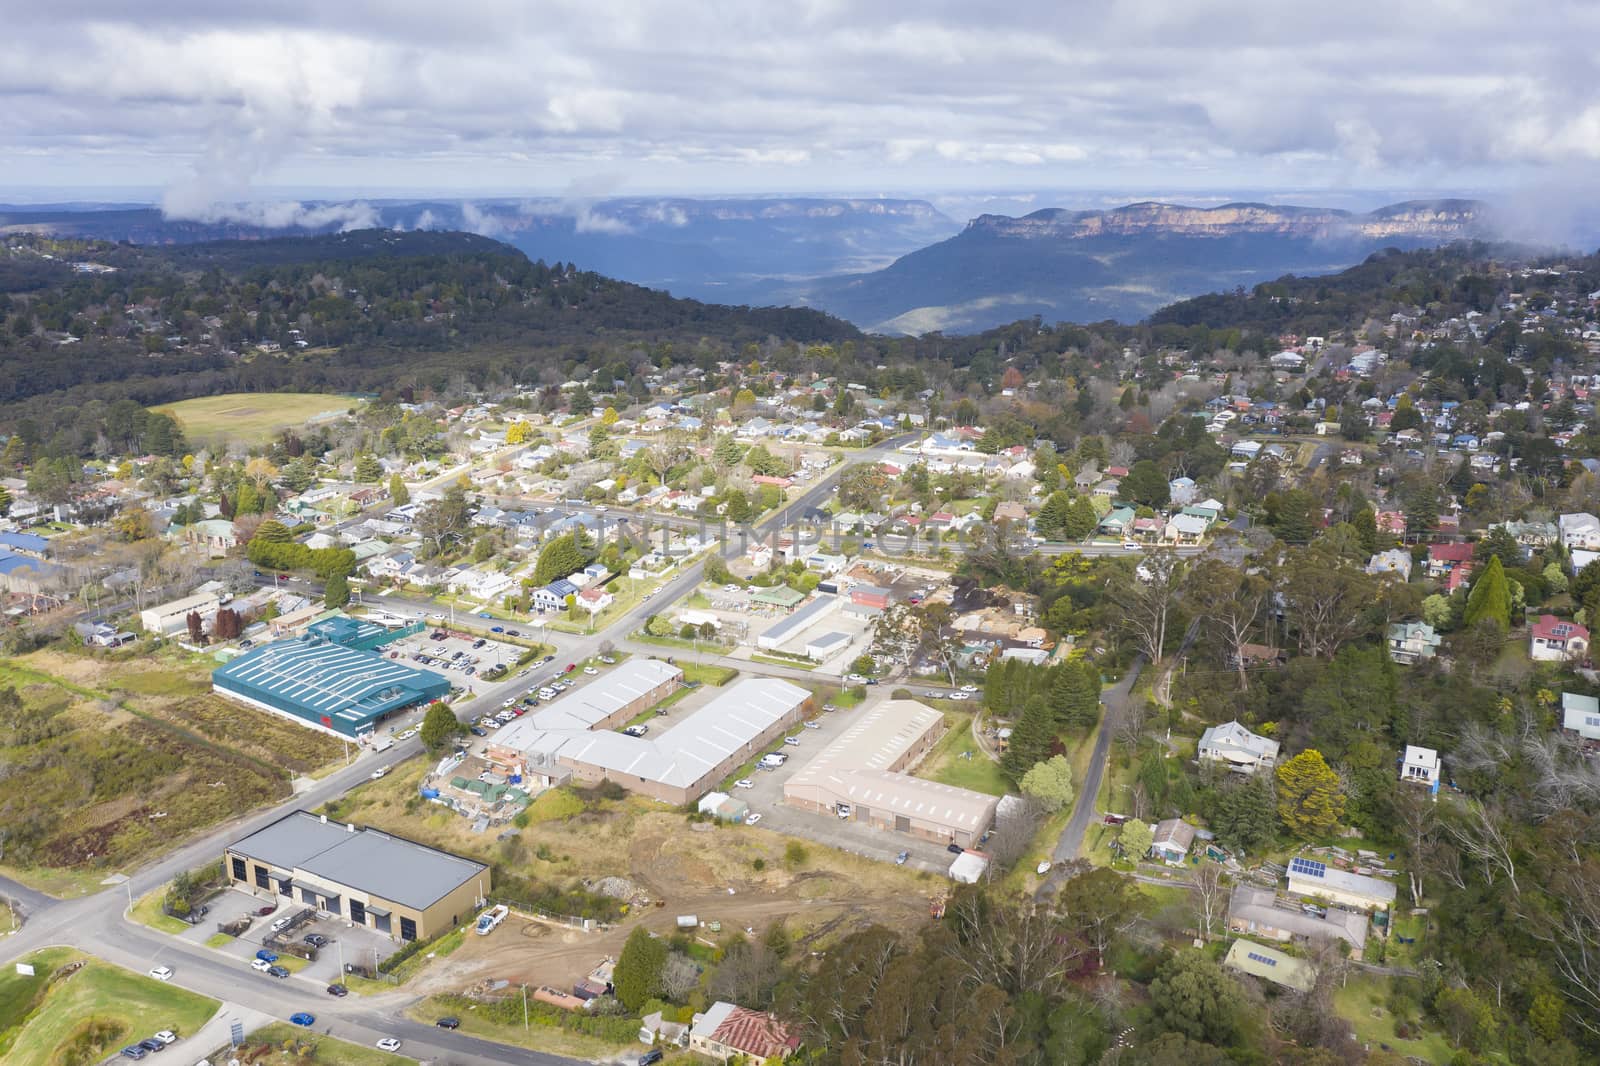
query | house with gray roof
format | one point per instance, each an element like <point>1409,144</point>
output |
<point>1235,746</point>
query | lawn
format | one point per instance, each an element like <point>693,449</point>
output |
<point>219,940</point>
<point>793,664</point>
<point>1361,1003</point>
<point>546,1038</point>
<point>957,760</point>
<point>312,1048</point>
<point>552,805</point>
<point>119,1004</point>
<point>707,674</point>
<point>250,417</point>
<point>147,911</point>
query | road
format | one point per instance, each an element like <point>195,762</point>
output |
<point>1115,700</point>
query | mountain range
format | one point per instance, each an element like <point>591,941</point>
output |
<point>889,265</point>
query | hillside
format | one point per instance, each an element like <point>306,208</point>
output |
<point>1122,264</point>
<point>352,312</point>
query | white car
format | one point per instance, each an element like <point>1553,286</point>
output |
<point>793,742</point>
<point>969,688</point>
<point>380,772</point>
<point>856,679</point>
<point>162,973</point>
<point>812,725</point>
<point>960,696</point>
<point>591,671</point>
<point>510,701</point>
<point>753,819</point>
<point>260,965</point>
<point>744,782</point>
<point>279,925</point>
<point>1043,868</point>
<point>388,1043</point>
<point>409,733</point>
<point>167,1036</point>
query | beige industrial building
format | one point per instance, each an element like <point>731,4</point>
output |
<point>403,889</point>
<point>863,776</point>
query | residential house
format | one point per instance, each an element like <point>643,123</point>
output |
<point>1185,529</point>
<point>1316,879</point>
<point>1259,912</point>
<point>1119,522</point>
<point>1579,531</point>
<point>1182,490</point>
<point>726,1032</point>
<point>1246,450</point>
<point>1445,558</point>
<point>553,597</point>
<point>1391,522</point>
<point>1580,716</point>
<point>1243,751</point>
<point>595,599</point>
<point>1272,965</point>
<point>1411,642</point>
<point>1108,488</point>
<point>1420,766</point>
<point>1552,639</point>
<point>1394,561</point>
<point>1173,838</point>
<point>1531,534</point>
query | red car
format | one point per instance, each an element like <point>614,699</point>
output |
<point>264,911</point>
<point>571,667</point>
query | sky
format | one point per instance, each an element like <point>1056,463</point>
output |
<point>207,102</point>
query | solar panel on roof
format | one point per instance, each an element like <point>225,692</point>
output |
<point>1261,958</point>
<point>1307,867</point>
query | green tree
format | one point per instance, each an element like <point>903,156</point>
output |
<point>559,558</point>
<point>1051,519</point>
<point>1365,522</point>
<point>440,728</point>
<point>1050,782</point>
<point>1310,799</point>
<point>727,452</point>
<point>1136,838</point>
<point>1075,693</point>
<point>1146,485</point>
<point>5,501</point>
<point>1490,598</point>
<point>1193,996</point>
<point>273,531</point>
<point>1242,815</point>
<point>637,975</point>
<point>399,495</point>
<point>1081,519</point>
<point>367,468</point>
<point>336,593</point>
<point>1100,905</point>
<point>1031,737</point>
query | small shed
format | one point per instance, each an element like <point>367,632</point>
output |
<point>1173,839</point>
<point>969,867</point>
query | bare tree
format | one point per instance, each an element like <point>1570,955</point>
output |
<point>1146,598</point>
<point>1417,823</point>
<point>1014,830</point>
<point>679,977</point>
<point>1324,598</point>
<point>1208,896</point>
<point>1572,930</point>
<point>1482,835</point>
<point>1230,601</point>
<point>1019,948</point>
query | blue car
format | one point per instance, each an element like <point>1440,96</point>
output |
<point>303,1019</point>
<point>134,1051</point>
<point>497,629</point>
<point>266,956</point>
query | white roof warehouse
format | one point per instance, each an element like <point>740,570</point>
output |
<point>865,768</point>
<point>680,765</point>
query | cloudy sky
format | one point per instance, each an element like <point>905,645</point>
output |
<point>533,96</point>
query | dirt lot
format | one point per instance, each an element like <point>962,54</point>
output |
<point>689,867</point>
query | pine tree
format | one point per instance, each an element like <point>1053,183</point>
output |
<point>1490,598</point>
<point>5,500</point>
<point>368,469</point>
<point>399,495</point>
<point>1366,523</point>
<point>1081,519</point>
<point>273,531</point>
<point>637,975</point>
<point>1075,693</point>
<point>1310,801</point>
<point>336,593</point>
<point>1030,738</point>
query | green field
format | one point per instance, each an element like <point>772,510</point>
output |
<point>957,760</point>
<point>1361,1003</point>
<point>84,1016</point>
<point>249,417</point>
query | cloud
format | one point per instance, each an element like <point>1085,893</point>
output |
<point>213,102</point>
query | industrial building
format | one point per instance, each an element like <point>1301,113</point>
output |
<point>395,886</point>
<point>611,699</point>
<point>677,767</point>
<point>862,776</point>
<point>326,685</point>
<point>166,619</point>
<point>796,623</point>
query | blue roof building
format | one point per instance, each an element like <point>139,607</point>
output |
<point>25,544</point>
<point>326,685</point>
<point>359,633</point>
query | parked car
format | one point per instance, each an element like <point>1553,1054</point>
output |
<point>262,912</point>
<point>134,1051</point>
<point>571,667</point>
<point>812,725</point>
<point>591,671</point>
<point>316,940</point>
<point>753,819</point>
<point>388,1043</point>
<point>448,1023</point>
<point>301,1018</point>
<point>381,771</point>
<point>954,849</point>
<point>162,973</point>
<point>166,1036</point>
<point>277,971</point>
<point>267,956</point>
<point>637,730</point>
<point>260,965</point>
<point>497,629</point>
<point>900,859</point>
<point>651,1057</point>
<point>958,696</point>
<point>744,782</point>
<point>475,731</point>
<point>338,991</point>
<point>608,660</point>
<point>1043,868</point>
<point>793,742</point>
<point>150,1043</point>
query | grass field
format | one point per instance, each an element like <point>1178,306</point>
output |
<point>147,911</point>
<point>540,1037</point>
<point>115,1004</point>
<point>1360,1002</point>
<point>314,1048</point>
<point>250,417</point>
<point>120,758</point>
<point>957,760</point>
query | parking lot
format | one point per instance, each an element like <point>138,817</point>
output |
<point>766,798</point>
<point>352,944</point>
<point>460,656</point>
<point>540,692</point>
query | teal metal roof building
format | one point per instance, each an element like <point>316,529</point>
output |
<point>359,632</point>
<point>348,690</point>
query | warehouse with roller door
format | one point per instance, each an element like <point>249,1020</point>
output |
<point>398,887</point>
<point>863,776</point>
<point>326,685</point>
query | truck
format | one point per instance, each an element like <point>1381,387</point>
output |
<point>383,743</point>
<point>491,918</point>
<point>688,921</point>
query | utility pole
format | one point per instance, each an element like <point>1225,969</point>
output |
<point>524,1008</point>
